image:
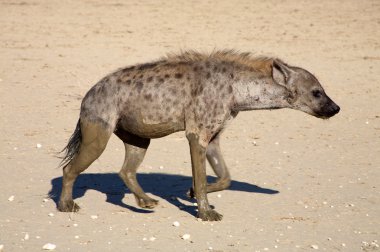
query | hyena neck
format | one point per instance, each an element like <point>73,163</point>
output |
<point>259,93</point>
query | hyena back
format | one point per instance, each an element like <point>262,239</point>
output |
<point>191,92</point>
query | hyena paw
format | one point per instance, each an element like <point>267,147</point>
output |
<point>68,206</point>
<point>210,215</point>
<point>147,203</point>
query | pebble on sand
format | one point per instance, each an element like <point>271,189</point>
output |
<point>176,224</point>
<point>38,145</point>
<point>11,198</point>
<point>49,246</point>
<point>314,246</point>
<point>185,237</point>
<point>1,247</point>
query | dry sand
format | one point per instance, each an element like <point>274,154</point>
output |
<point>299,183</point>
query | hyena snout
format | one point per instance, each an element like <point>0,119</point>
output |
<point>328,109</point>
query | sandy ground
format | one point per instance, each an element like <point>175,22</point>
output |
<point>299,183</point>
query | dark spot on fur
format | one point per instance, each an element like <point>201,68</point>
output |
<point>128,82</point>
<point>148,97</point>
<point>216,69</point>
<point>167,76</point>
<point>101,89</point>
<point>178,75</point>
<point>214,113</point>
<point>206,100</point>
<point>208,75</point>
<point>224,69</point>
<point>173,91</point>
<point>230,89</point>
<point>188,78</point>
<point>139,86</point>
<point>215,83</point>
<point>160,79</point>
<point>232,75</point>
<point>150,78</point>
<point>195,69</point>
<point>200,89</point>
<point>193,92</point>
<point>197,102</point>
<point>141,76</point>
<point>207,64</point>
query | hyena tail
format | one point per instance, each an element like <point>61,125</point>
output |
<point>72,147</point>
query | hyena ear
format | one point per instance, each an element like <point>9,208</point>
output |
<point>281,72</point>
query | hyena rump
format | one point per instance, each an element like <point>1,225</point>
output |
<point>192,92</point>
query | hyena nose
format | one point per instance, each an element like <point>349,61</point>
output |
<point>330,109</point>
<point>336,109</point>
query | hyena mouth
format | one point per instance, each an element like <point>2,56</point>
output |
<point>328,111</point>
<point>324,117</point>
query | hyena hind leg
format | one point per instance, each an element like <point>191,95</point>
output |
<point>93,142</point>
<point>135,149</point>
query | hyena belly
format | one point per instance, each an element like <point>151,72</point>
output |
<point>141,123</point>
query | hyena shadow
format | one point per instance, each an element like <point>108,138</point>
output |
<point>169,187</point>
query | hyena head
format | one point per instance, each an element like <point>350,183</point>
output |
<point>305,92</point>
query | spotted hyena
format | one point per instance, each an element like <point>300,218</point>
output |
<point>192,92</point>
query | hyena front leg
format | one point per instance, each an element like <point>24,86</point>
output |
<point>198,164</point>
<point>135,149</point>
<point>215,158</point>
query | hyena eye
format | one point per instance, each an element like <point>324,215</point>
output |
<point>317,93</point>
